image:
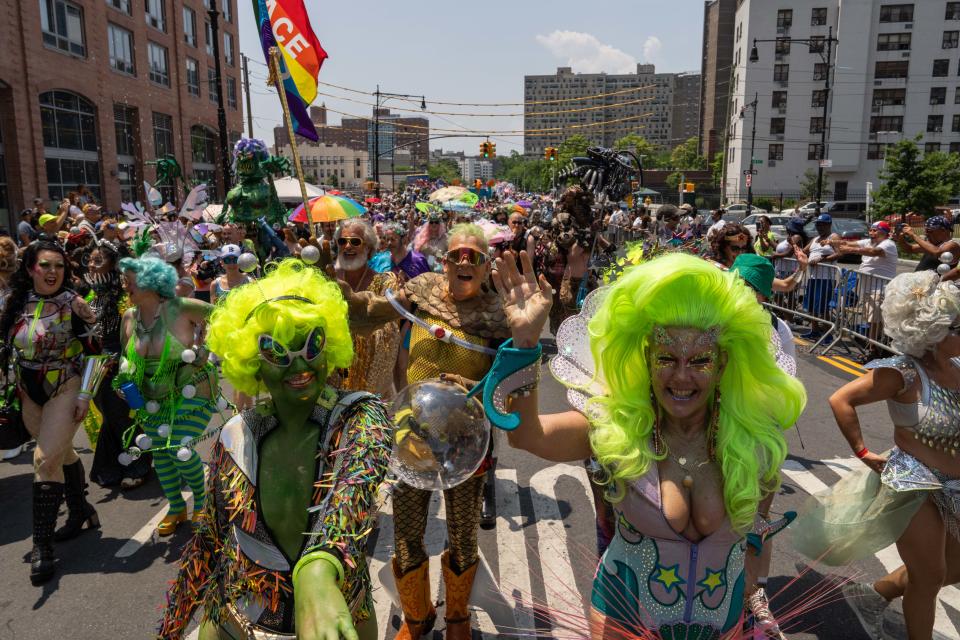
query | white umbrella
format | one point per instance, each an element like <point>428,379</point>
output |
<point>288,189</point>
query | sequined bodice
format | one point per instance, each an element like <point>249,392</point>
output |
<point>935,417</point>
<point>44,333</point>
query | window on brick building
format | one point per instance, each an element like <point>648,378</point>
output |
<point>782,46</point>
<point>125,128</point>
<point>934,124</point>
<point>775,152</point>
<point>193,77</point>
<point>227,11</point>
<point>779,100</point>
<point>62,26</point>
<point>162,135</point>
<point>894,41</point>
<point>938,95</point>
<point>784,18</point>
<point>891,69</point>
<point>886,123</point>
<point>70,145</point>
<point>816,124</point>
<point>232,93</point>
<point>159,64</point>
<point>208,36</point>
<point>818,98</point>
<point>885,97</point>
<point>781,73</point>
<point>951,39</point>
<point>814,152</point>
<point>155,13</point>
<point>228,55</point>
<point>189,26</point>
<point>120,5</point>
<point>212,88</point>
<point>120,43</point>
<point>953,11</point>
<point>818,17</point>
<point>955,124</point>
<point>203,148</point>
<point>778,126</point>
<point>941,68</point>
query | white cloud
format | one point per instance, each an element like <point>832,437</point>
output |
<point>651,49</point>
<point>586,54</point>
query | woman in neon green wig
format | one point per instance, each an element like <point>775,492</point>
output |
<point>309,459</point>
<point>680,400</point>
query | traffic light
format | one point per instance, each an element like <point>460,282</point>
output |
<point>492,149</point>
<point>550,153</point>
<point>689,187</point>
<point>487,149</point>
<point>483,149</point>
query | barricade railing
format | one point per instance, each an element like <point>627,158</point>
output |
<point>841,304</point>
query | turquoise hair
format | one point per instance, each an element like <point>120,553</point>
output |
<point>236,323</point>
<point>152,274</point>
<point>758,401</point>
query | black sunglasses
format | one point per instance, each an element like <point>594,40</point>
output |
<point>354,242</point>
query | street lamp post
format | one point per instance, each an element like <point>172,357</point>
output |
<point>827,57</point>
<point>380,98</point>
<point>221,113</point>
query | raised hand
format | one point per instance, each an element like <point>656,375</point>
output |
<point>526,300</point>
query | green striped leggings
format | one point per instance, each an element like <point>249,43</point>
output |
<point>192,418</point>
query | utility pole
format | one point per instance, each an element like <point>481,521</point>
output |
<point>376,142</point>
<point>221,113</point>
<point>823,131</point>
<point>753,139</point>
<point>246,90</point>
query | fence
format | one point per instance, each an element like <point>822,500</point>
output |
<point>842,305</point>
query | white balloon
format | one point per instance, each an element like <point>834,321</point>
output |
<point>163,430</point>
<point>124,459</point>
<point>144,441</point>
<point>188,356</point>
<point>152,406</point>
<point>248,262</point>
<point>183,454</point>
<point>943,269</point>
<point>946,257</point>
<point>189,391</point>
<point>310,254</point>
<point>186,440</point>
<point>222,404</point>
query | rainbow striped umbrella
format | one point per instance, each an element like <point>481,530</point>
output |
<point>327,209</point>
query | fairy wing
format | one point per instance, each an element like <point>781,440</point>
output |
<point>154,197</point>
<point>136,216</point>
<point>574,366</point>
<point>195,202</point>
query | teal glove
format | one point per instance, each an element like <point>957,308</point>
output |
<point>321,611</point>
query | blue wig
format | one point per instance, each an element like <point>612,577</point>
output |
<point>152,274</point>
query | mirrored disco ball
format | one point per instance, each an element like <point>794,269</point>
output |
<point>440,436</point>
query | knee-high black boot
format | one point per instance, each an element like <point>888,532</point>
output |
<point>79,511</point>
<point>46,503</point>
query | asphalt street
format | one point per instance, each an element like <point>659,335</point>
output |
<point>538,562</point>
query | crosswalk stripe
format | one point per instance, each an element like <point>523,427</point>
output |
<point>889,557</point>
<point>514,566</point>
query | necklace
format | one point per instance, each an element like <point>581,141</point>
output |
<point>142,329</point>
<point>682,463</point>
<point>366,270</point>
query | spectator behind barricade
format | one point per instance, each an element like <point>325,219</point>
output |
<point>615,222</point>
<point>765,243</point>
<point>820,252</point>
<point>668,219</point>
<point>716,224</point>
<point>25,231</point>
<point>939,240</point>
<point>879,259</point>
<point>732,241</point>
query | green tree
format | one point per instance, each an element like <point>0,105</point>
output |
<point>687,156</point>
<point>716,168</point>
<point>333,180</point>
<point>575,145</point>
<point>650,154</point>
<point>673,180</point>
<point>916,182</point>
<point>446,169</point>
<point>808,186</point>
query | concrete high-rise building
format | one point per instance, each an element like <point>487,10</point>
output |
<point>474,168</point>
<point>716,71</point>
<point>605,107</point>
<point>91,91</point>
<point>685,108</point>
<point>330,164</point>
<point>895,76</point>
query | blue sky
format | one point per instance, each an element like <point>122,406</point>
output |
<point>477,54</point>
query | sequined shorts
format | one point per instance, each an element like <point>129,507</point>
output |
<point>903,472</point>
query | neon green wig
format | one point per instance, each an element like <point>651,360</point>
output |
<point>469,230</point>
<point>236,323</point>
<point>758,400</point>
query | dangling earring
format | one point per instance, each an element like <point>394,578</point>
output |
<point>659,448</point>
<point>714,426</point>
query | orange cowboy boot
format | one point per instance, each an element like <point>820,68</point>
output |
<point>458,587</point>
<point>414,590</point>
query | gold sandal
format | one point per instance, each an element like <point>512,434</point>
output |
<point>169,523</point>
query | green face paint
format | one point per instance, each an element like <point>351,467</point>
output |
<point>299,381</point>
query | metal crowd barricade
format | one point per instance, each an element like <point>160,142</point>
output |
<point>819,297</point>
<point>860,316</point>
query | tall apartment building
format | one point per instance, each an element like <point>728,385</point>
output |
<point>685,108</point>
<point>91,90</point>
<point>716,70</point>
<point>475,168</point>
<point>895,75</point>
<point>605,107</point>
<point>359,134</point>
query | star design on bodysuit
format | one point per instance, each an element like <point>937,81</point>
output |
<point>713,581</point>
<point>667,576</point>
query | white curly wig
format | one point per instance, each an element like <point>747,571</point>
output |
<point>918,310</point>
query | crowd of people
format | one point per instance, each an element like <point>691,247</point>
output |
<point>163,320</point>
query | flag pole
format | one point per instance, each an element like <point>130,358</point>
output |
<point>277,79</point>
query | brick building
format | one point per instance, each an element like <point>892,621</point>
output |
<point>92,89</point>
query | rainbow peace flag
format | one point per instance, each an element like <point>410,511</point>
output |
<point>285,24</point>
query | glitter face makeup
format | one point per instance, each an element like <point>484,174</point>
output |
<point>685,367</point>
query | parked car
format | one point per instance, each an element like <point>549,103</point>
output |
<point>802,211</point>
<point>741,208</point>
<point>777,225</point>
<point>850,229</point>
